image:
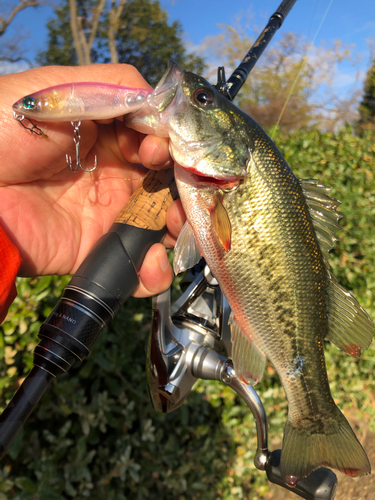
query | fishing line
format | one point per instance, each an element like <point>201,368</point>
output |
<point>304,60</point>
<point>95,179</point>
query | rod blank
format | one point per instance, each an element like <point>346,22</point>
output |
<point>240,74</point>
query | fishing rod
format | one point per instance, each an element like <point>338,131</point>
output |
<point>109,274</point>
<point>231,87</point>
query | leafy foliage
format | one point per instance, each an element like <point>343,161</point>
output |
<point>95,434</point>
<point>367,105</point>
<point>60,49</point>
<point>144,39</point>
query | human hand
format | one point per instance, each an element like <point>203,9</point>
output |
<point>55,216</point>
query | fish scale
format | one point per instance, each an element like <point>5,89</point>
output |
<point>265,236</point>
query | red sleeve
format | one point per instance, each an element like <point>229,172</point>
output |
<point>10,261</point>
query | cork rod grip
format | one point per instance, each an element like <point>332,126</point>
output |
<point>147,208</point>
<point>110,272</point>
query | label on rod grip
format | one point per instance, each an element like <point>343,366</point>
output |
<point>78,325</point>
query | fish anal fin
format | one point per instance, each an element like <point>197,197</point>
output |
<point>186,250</point>
<point>221,222</point>
<point>248,361</point>
<point>349,326</point>
<point>331,444</point>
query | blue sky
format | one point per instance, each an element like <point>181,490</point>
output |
<point>351,22</point>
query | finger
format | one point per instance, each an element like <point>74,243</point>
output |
<point>154,153</point>
<point>117,74</point>
<point>175,220</point>
<point>129,142</point>
<point>156,273</point>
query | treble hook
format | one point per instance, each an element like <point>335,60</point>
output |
<point>77,142</point>
<point>34,129</point>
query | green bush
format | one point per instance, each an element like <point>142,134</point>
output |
<point>95,433</point>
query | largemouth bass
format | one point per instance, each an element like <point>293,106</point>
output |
<point>266,237</point>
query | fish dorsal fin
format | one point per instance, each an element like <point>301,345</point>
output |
<point>186,251</point>
<point>248,361</point>
<point>221,222</point>
<point>323,213</point>
<point>349,326</point>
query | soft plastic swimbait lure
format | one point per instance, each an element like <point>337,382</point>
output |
<point>81,101</point>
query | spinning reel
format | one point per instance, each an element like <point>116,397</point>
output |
<point>190,340</point>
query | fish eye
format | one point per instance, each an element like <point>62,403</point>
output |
<point>28,102</point>
<point>203,97</point>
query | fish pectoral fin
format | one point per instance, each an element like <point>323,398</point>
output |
<point>349,326</point>
<point>186,251</point>
<point>221,222</point>
<point>249,362</point>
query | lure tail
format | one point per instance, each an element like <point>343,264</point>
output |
<point>333,444</point>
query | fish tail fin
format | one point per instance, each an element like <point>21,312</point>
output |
<point>332,444</point>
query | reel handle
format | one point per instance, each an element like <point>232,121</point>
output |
<point>321,484</point>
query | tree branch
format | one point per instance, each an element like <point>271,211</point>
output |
<point>113,25</point>
<point>16,59</point>
<point>4,23</point>
<point>95,21</point>
<point>75,34</point>
<point>82,46</point>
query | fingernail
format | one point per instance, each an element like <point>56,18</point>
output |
<point>163,261</point>
<point>167,164</point>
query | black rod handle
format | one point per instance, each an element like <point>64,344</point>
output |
<point>22,404</point>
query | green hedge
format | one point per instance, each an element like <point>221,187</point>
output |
<point>95,433</point>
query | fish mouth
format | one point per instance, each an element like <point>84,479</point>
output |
<point>216,182</point>
<point>166,89</point>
